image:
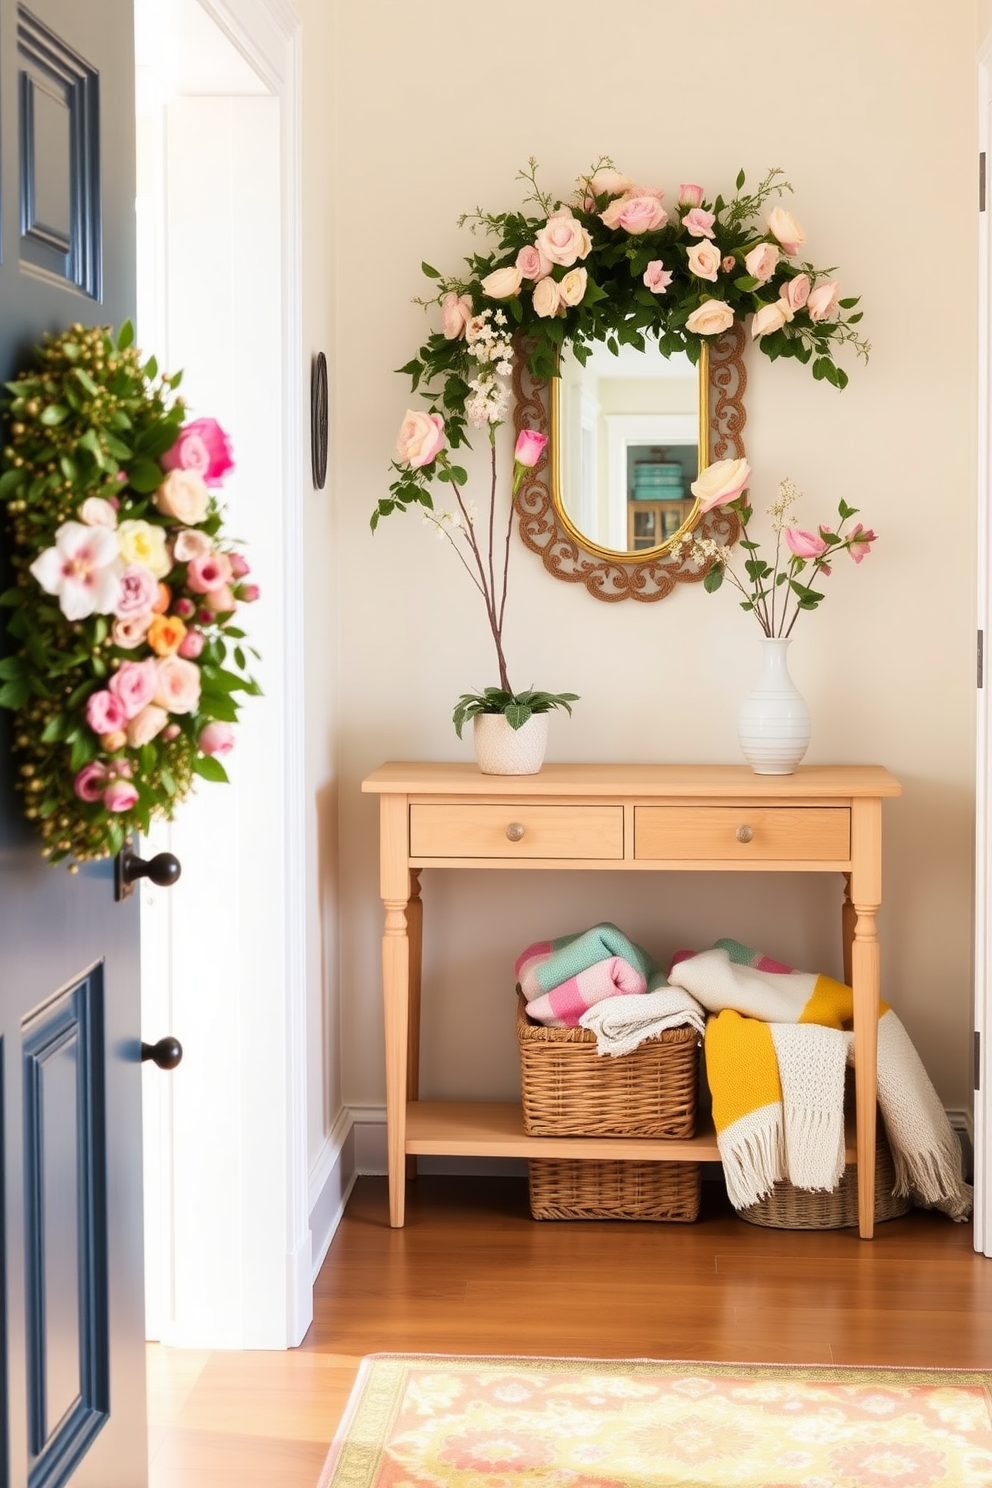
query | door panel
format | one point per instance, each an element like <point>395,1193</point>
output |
<point>69,990</point>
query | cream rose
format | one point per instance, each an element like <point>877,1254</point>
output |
<point>140,542</point>
<point>704,259</point>
<point>145,725</point>
<point>96,512</point>
<point>720,482</point>
<point>562,240</point>
<point>502,284</point>
<point>710,318</point>
<point>604,182</point>
<point>190,544</point>
<point>573,286</point>
<point>782,225</point>
<point>420,439</point>
<point>178,689</point>
<point>183,495</point>
<point>760,262</point>
<point>547,298</point>
<point>770,318</point>
<point>822,302</point>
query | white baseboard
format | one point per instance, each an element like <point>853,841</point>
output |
<point>332,1178</point>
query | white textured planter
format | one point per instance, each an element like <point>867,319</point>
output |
<point>501,750</point>
<point>773,725</point>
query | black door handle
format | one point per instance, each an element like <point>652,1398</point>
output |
<point>166,1053</point>
<point>163,869</point>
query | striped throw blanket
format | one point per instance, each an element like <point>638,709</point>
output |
<point>565,980</point>
<point>775,1057</point>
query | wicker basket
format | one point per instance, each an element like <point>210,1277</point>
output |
<point>788,1208</point>
<point>569,1090</point>
<point>566,1188</point>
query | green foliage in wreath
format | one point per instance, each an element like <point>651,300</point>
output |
<point>123,664</point>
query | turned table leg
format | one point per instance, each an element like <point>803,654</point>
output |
<point>415,934</point>
<point>864,893</point>
<point>396,889</point>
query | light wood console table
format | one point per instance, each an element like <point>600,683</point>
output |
<point>822,819</point>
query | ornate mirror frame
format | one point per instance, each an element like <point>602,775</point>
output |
<point>612,579</point>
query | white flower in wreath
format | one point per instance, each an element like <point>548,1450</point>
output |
<point>83,569</point>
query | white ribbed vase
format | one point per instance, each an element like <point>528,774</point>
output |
<point>773,725</point>
<point>502,750</point>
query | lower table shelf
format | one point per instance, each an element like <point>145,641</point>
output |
<point>496,1129</point>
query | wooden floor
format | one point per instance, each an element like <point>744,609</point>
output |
<point>472,1273</point>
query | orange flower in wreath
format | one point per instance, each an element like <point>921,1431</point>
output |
<point>165,634</point>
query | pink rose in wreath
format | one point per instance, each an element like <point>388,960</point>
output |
<point>91,781</point>
<point>203,447</point>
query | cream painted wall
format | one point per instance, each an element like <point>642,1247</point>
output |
<point>410,121</point>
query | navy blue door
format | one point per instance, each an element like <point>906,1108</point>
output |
<point>71,1309</point>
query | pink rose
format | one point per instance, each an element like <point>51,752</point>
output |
<point>185,608</point>
<point>120,795</point>
<point>502,284</point>
<point>222,600</point>
<point>208,572</point>
<point>202,446</point>
<point>191,645</point>
<point>804,544</point>
<point>720,482</point>
<point>96,512</point>
<point>704,260</point>
<point>635,214</point>
<point>572,286</point>
<point>249,593</point>
<point>727,262</point>
<point>562,240</point>
<point>178,685</point>
<point>90,782</point>
<point>172,731</point>
<point>795,292</point>
<point>420,439</point>
<point>183,495</point>
<point>456,312</point>
<point>760,262</point>
<point>130,632</point>
<point>144,726</point>
<point>699,223</point>
<point>657,277</point>
<point>547,297</point>
<point>861,539</point>
<point>216,738</point>
<point>710,318</point>
<point>783,226</point>
<point>239,566</point>
<point>532,263</point>
<point>690,195</point>
<point>105,713</point>
<point>190,544</point>
<point>139,590</point>
<point>134,684</point>
<point>822,302</point>
<point>529,448</point>
<point>770,318</point>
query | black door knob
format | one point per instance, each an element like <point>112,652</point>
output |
<point>166,1053</point>
<point>164,869</point>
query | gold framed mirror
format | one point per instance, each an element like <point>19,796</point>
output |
<point>583,526</point>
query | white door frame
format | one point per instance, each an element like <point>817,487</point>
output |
<point>983,772</point>
<point>257,1220</point>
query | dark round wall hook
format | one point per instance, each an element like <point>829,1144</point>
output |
<point>164,869</point>
<point>166,1053</point>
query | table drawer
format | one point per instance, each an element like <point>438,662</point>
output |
<point>743,833</point>
<point>515,830</point>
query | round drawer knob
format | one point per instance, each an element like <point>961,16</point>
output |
<point>515,831</point>
<point>744,834</point>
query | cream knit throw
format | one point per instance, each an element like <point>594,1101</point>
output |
<point>732,980</point>
<point>621,1023</point>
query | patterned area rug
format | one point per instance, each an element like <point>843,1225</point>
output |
<point>431,1421</point>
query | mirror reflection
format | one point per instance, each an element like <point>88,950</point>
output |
<point>626,437</point>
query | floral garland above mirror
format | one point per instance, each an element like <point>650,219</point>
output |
<point>612,264</point>
<point>124,660</point>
